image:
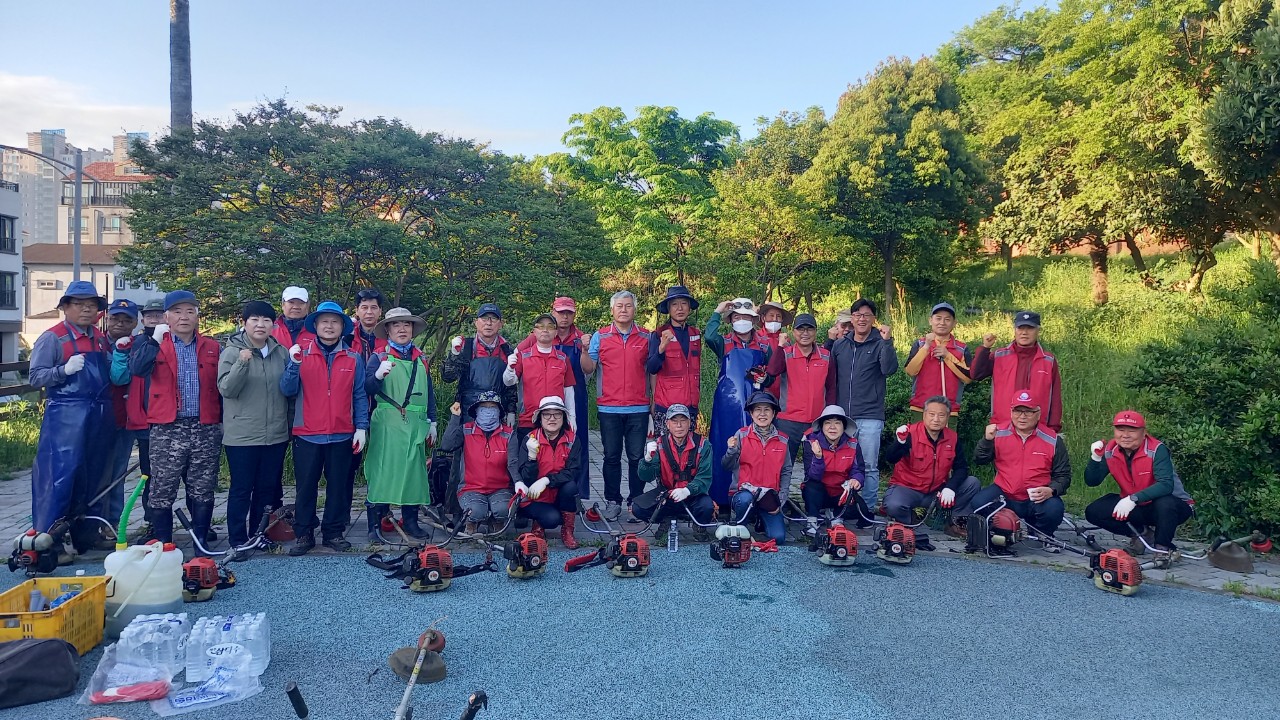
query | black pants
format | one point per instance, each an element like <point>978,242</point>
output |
<point>333,461</point>
<point>794,433</point>
<point>1165,513</point>
<point>255,483</point>
<point>617,429</point>
<point>548,514</point>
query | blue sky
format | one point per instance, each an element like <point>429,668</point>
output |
<point>509,73</point>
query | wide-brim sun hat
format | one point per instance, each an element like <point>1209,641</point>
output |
<point>551,402</point>
<point>328,307</point>
<point>787,316</point>
<point>676,292</point>
<point>399,314</point>
<point>831,411</point>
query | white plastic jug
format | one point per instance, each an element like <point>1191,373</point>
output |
<point>145,580</point>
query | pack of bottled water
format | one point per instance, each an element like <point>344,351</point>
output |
<point>157,641</point>
<point>250,631</point>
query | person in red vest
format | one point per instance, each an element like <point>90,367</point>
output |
<point>546,472</point>
<point>481,459</point>
<point>71,362</point>
<point>621,351</point>
<point>184,409</point>
<point>675,357</point>
<point>761,466</point>
<point>122,320</point>
<point>1151,493</point>
<point>290,328</point>
<point>929,461</point>
<point>801,369</point>
<point>541,371</point>
<point>368,314</point>
<point>1022,365</point>
<point>680,461</point>
<point>330,425</point>
<point>833,467</point>
<point>1033,470</point>
<point>939,363</point>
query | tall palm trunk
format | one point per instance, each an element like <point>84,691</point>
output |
<point>180,66</point>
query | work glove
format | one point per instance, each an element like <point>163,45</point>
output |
<point>510,419</point>
<point>455,345</point>
<point>756,376</point>
<point>431,435</point>
<point>947,497</point>
<point>509,376</point>
<point>358,440</point>
<point>1123,508</point>
<point>747,487</point>
<point>522,489</point>
<point>851,484</point>
<point>295,353</point>
<point>679,494</point>
<point>384,369</point>
<point>511,359</point>
<point>122,345</point>
<point>532,445</point>
<point>160,331</point>
<point>1095,451</point>
<point>75,364</point>
<point>535,490</point>
<point>650,449</point>
<point>901,432</point>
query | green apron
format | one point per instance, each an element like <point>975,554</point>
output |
<point>396,462</point>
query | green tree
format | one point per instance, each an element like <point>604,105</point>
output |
<point>896,175</point>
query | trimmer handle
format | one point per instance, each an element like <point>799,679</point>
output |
<point>582,561</point>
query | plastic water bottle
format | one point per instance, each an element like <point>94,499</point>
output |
<point>673,538</point>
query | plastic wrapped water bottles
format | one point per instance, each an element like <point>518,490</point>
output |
<point>251,630</point>
<point>155,641</point>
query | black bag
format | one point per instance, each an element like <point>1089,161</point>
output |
<point>35,670</point>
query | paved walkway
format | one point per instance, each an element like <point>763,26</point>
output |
<point>15,518</point>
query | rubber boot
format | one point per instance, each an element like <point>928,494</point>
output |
<point>376,513</point>
<point>201,519</point>
<point>566,530</point>
<point>162,524</point>
<point>209,537</point>
<point>409,513</point>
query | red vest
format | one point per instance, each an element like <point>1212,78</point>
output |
<point>926,467</point>
<point>324,398</point>
<point>687,459</point>
<point>281,333</point>
<point>135,403</point>
<point>935,378</point>
<point>1020,465</point>
<point>357,343</point>
<point>678,380</point>
<point>836,463</point>
<point>484,460</point>
<point>760,463</point>
<point>621,380</point>
<point>541,375</point>
<point>1141,475</point>
<point>162,397</point>
<point>802,391</point>
<point>552,460</point>
<point>1004,382</point>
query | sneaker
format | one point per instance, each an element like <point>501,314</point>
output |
<point>612,510</point>
<point>338,544</point>
<point>811,527</point>
<point>237,555</point>
<point>302,546</point>
<point>922,543</point>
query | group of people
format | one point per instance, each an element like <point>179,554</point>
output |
<point>348,392</point>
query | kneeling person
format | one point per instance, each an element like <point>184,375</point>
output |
<point>928,461</point>
<point>546,473</point>
<point>1151,494</point>
<point>833,467</point>
<point>480,459</point>
<point>680,461</point>
<point>757,455</point>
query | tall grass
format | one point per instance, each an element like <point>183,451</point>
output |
<point>19,431</point>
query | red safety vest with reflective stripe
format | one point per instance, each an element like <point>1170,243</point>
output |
<point>760,463</point>
<point>326,393</point>
<point>1020,465</point>
<point>357,344</point>
<point>935,378</point>
<point>1004,383</point>
<point>162,396</point>
<point>552,459</point>
<point>687,458</point>
<point>484,460</point>
<point>621,378</point>
<point>926,467</point>
<point>802,391</point>
<point>541,375</point>
<point>280,332</point>
<point>836,463</point>
<point>1141,475</point>
<point>678,380</point>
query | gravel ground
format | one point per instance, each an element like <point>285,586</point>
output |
<point>781,637</point>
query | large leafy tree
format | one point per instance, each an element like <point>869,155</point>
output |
<point>284,196</point>
<point>896,176</point>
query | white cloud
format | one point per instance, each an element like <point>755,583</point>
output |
<point>34,102</point>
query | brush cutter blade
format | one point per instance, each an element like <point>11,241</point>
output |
<point>1231,557</point>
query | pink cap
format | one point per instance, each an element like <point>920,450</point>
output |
<point>563,303</point>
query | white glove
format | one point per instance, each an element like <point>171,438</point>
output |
<point>947,497</point>
<point>509,377</point>
<point>650,450</point>
<point>532,445</point>
<point>160,331</point>
<point>1095,451</point>
<point>535,490</point>
<point>680,494</point>
<point>455,345</point>
<point>511,419</point>
<point>295,353</point>
<point>901,432</point>
<point>357,442</point>
<point>431,435</point>
<point>511,359</point>
<point>123,343</point>
<point>1123,508</point>
<point>847,485</point>
<point>384,369</point>
<point>75,364</point>
<point>522,489</point>
<point>747,487</point>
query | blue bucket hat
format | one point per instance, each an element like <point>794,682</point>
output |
<point>332,308</point>
<point>80,290</point>
<point>674,292</point>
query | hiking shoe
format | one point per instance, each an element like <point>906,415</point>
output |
<point>922,543</point>
<point>338,544</point>
<point>1136,547</point>
<point>957,530</point>
<point>237,555</point>
<point>811,527</point>
<point>302,546</point>
<point>612,510</point>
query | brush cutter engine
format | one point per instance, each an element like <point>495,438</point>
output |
<point>994,534</point>
<point>33,552</point>
<point>631,559</point>
<point>202,576</point>
<point>897,544</point>
<point>1116,571</point>
<point>839,547</point>
<point>732,546</point>
<point>526,557</point>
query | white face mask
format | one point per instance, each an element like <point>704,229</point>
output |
<point>773,326</point>
<point>742,326</point>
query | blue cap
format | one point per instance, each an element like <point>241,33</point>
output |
<point>804,320</point>
<point>943,306</point>
<point>332,308</point>
<point>127,307</point>
<point>489,309</point>
<point>80,290</point>
<point>178,297</point>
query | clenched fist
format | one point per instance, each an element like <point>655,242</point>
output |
<point>160,331</point>
<point>295,353</point>
<point>455,345</point>
<point>456,409</point>
<point>885,332</point>
<point>511,360</point>
<point>246,355</point>
<point>650,450</point>
<point>901,434</point>
<point>123,343</point>
<point>532,446</point>
<point>733,442</point>
<point>990,434</point>
<point>1095,451</point>
<point>384,369</point>
<point>989,340</point>
<point>667,336</point>
<point>816,448</point>
<point>74,364</point>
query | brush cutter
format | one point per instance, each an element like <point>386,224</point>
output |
<point>402,710</point>
<point>895,541</point>
<point>201,576</point>
<point>1223,553</point>
<point>429,568</point>
<point>732,544</point>
<point>526,556</point>
<point>34,551</point>
<point>626,554</point>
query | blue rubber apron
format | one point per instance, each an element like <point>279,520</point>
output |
<point>728,415</point>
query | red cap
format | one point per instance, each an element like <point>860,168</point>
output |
<point>564,303</point>
<point>1129,418</point>
<point>1024,398</point>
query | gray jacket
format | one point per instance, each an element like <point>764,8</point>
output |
<point>254,411</point>
<point>856,376</point>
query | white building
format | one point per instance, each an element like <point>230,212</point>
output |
<point>41,182</point>
<point>10,270</point>
<point>49,270</point>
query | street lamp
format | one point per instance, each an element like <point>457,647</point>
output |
<point>78,169</point>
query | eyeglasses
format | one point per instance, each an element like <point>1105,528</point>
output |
<point>864,316</point>
<point>1025,411</point>
<point>742,305</point>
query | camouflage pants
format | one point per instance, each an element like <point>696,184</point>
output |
<point>184,451</point>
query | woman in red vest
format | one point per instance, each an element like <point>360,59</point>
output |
<point>481,460</point>
<point>832,467</point>
<point>1151,494</point>
<point>547,471</point>
<point>1022,365</point>
<point>761,466</point>
<point>675,357</point>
